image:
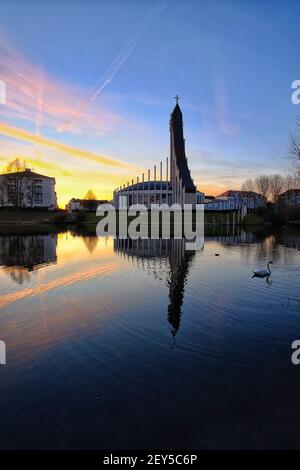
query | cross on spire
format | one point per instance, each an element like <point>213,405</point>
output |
<point>177,98</point>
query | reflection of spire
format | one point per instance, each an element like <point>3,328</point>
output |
<point>178,259</point>
<point>178,275</point>
<point>90,242</point>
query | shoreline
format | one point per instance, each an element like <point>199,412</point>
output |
<point>60,221</point>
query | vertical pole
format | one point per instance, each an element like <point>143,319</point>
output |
<point>143,196</point>
<point>167,170</point>
<point>149,177</point>
<point>160,198</point>
<point>167,180</point>
<point>154,184</point>
<point>181,198</point>
<point>132,195</point>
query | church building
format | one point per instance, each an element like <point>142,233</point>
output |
<point>176,186</point>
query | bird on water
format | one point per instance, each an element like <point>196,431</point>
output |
<point>263,272</point>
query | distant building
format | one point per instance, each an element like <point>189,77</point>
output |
<point>200,197</point>
<point>235,200</point>
<point>27,189</point>
<point>219,205</point>
<point>289,198</point>
<point>76,205</point>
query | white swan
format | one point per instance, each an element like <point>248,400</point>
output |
<point>263,272</point>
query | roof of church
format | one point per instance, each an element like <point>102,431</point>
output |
<point>149,185</point>
<point>179,147</point>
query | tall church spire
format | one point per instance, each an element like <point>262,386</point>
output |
<point>178,160</point>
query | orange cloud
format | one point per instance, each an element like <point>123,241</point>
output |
<point>72,180</point>
<point>60,147</point>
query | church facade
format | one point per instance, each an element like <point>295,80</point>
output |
<point>176,186</point>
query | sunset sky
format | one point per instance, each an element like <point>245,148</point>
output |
<point>90,88</point>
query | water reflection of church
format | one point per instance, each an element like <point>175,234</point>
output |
<point>166,260</point>
<point>21,254</point>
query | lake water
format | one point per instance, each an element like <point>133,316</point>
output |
<point>120,344</point>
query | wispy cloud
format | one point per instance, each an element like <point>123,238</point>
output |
<point>35,97</point>
<point>222,109</point>
<point>118,63</point>
<point>60,147</point>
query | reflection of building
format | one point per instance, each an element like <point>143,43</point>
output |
<point>177,187</point>
<point>235,200</point>
<point>27,189</point>
<point>24,253</point>
<point>288,237</point>
<point>168,261</point>
<point>76,205</point>
<point>234,236</point>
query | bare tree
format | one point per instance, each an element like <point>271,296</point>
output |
<point>294,148</point>
<point>276,186</point>
<point>90,200</point>
<point>291,182</point>
<point>15,166</point>
<point>248,185</point>
<point>262,184</point>
<point>90,196</point>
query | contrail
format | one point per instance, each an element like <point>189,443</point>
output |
<point>40,91</point>
<point>118,62</point>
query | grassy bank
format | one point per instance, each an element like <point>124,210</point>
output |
<point>43,221</point>
<point>31,218</point>
<point>211,218</point>
<point>31,229</point>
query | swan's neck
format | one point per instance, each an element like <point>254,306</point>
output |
<point>268,266</point>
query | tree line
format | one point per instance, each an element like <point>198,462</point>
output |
<point>270,186</point>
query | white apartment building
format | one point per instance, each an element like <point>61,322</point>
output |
<point>235,200</point>
<point>27,189</point>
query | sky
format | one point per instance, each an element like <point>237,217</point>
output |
<point>90,86</point>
